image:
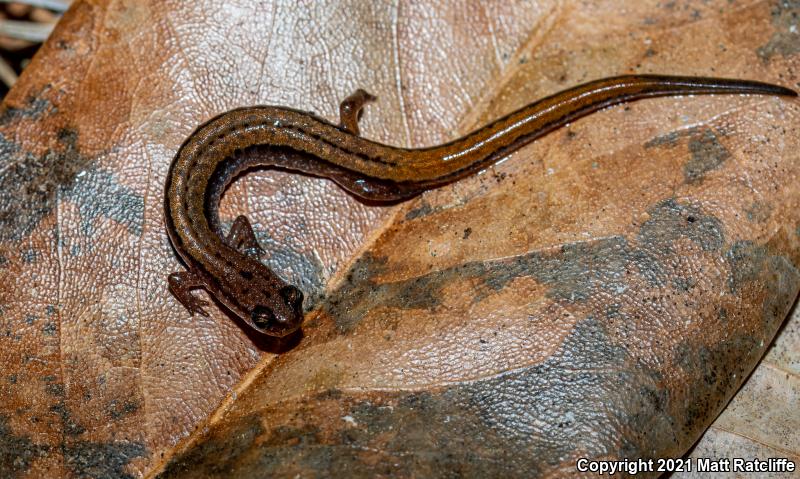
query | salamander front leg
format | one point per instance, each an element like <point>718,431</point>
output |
<point>350,110</point>
<point>181,284</point>
<point>242,237</point>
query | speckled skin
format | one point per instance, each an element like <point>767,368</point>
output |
<point>212,156</point>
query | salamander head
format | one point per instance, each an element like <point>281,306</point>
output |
<point>281,315</point>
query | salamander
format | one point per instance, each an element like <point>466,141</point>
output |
<point>228,266</point>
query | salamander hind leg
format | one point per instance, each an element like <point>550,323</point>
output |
<point>350,110</point>
<point>181,284</point>
<point>242,238</point>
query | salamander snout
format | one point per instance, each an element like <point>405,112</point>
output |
<point>283,317</point>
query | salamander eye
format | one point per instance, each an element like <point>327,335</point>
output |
<point>262,316</point>
<point>292,296</point>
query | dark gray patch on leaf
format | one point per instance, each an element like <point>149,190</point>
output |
<point>784,42</point>
<point>707,154</point>
<point>683,285</point>
<point>55,389</point>
<point>670,221</point>
<point>36,107</point>
<point>758,212</point>
<point>68,423</point>
<point>17,452</point>
<point>671,139</point>
<point>360,294</point>
<point>30,183</point>
<point>782,282</point>
<point>424,209</point>
<point>100,460</point>
<point>574,272</point>
<point>219,455</point>
<point>747,260</point>
<point>93,459</point>
<point>773,273</point>
<point>555,407</point>
<point>717,369</point>
<point>29,255</point>
<point>98,194</point>
<point>49,328</point>
<point>33,183</point>
<point>120,409</point>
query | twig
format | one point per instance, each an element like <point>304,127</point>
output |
<point>7,74</point>
<point>34,32</point>
<point>54,5</point>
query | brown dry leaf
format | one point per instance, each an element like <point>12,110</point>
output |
<point>601,293</point>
